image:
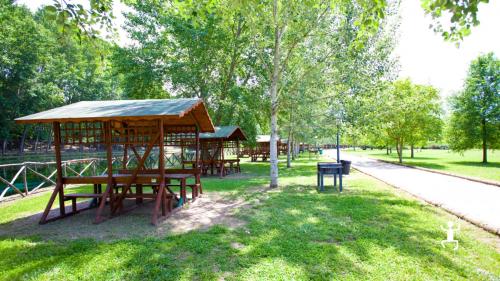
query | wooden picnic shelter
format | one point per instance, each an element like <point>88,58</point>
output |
<point>261,149</point>
<point>220,150</point>
<point>137,128</point>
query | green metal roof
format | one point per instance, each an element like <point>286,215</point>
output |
<point>186,111</point>
<point>225,132</point>
<point>115,108</point>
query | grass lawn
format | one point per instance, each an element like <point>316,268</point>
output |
<point>370,231</point>
<point>467,164</point>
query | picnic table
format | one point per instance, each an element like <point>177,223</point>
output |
<point>148,179</point>
<point>329,168</point>
<point>219,165</point>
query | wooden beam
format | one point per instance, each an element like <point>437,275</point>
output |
<point>110,183</point>
<point>140,166</point>
<point>160,198</point>
<point>46,179</point>
<point>59,182</point>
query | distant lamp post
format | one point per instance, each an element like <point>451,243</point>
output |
<point>338,121</point>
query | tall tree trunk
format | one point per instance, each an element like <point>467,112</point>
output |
<point>412,153</point>
<point>288,154</point>
<point>485,137</point>
<point>289,142</point>
<point>399,148</point>
<point>4,146</point>
<point>37,139</point>
<point>274,99</point>
<point>387,150</point>
<point>232,66</point>
<point>23,139</point>
<point>289,151</point>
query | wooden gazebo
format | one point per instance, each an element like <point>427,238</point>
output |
<point>262,148</point>
<point>215,147</point>
<point>145,128</point>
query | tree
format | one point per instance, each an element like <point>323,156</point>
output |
<point>21,49</point>
<point>40,69</point>
<point>284,27</point>
<point>475,118</point>
<point>75,19</point>
<point>406,112</point>
<point>209,57</point>
<point>427,122</point>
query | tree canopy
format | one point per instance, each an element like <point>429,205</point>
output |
<point>475,119</point>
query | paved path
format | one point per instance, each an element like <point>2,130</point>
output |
<point>477,202</point>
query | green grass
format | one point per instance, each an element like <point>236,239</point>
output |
<point>466,164</point>
<point>370,231</point>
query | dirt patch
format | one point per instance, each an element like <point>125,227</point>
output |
<point>208,210</point>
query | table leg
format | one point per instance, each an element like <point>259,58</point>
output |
<point>183,190</point>
<point>99,191</point>
<point>334,179</point>
<point>163,202</point>
<point>340,180</point>
<point>322,182</point>
<point>138,191</point>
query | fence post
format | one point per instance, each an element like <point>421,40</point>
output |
<point>25,180</point>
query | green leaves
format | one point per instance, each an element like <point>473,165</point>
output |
<point>75,20</point>
<point>462,17</point>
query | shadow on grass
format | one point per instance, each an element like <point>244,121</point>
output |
<point>426,165</point>
<point>477,164</point>
<point>293,232</point>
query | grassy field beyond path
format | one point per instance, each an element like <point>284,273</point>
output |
<point>370,231</point>
<point>466,164</point>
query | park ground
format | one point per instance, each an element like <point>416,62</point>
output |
<point>370,231</point>
<point>465,164</point>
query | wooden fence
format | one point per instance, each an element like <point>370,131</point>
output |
<point>27,171</point>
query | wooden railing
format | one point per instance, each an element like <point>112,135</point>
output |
<point>28,170</point>
<point>77,167</point>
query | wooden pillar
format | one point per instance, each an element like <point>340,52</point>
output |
<point>182,155</point>
<point>109,159</point>
<point>197,143</point>
<point>221,158</point>
<point>160,197</point>
<point>58,190</point>
<point>237,149</point>
<point>59,179</point>
<point>125,155</point>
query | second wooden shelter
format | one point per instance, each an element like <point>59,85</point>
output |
<point>220,150</point>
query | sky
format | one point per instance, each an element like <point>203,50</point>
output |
<point>424,56</point>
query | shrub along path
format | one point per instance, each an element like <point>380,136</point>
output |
<point>476,202</point>
<point>370,231</point>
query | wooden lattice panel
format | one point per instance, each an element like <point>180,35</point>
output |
<point>183,136</point>
<point>82,133</point>
<point>134,133</point>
